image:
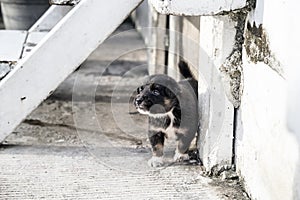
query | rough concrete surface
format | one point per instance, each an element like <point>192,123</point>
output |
<point>86,141</point>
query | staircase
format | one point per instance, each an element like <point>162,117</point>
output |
<point>36,61</point>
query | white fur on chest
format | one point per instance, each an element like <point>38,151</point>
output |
<point>170,131</point>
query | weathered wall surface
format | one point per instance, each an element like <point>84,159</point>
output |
<point>259,73</point>
<point>267,152</point>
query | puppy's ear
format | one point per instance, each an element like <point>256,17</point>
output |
<point>172,90</point>
<point>170,93</point>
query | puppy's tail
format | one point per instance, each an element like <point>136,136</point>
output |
<point>185,70</point>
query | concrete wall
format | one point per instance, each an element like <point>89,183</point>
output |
<point>266,94</point>
<point>182,40</point>
<point>267,152</point>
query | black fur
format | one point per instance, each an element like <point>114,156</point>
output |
<point>172,108</point>
<point>184,69</point>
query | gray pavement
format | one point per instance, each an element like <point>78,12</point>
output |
<point>86,141</point>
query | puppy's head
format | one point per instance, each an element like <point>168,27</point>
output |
<point>157,95</point>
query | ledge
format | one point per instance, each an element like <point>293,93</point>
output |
<point>197,7</point>
<point>64,2</point>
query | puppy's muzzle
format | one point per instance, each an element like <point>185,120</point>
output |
<point>142,101</point>
<point>139,100</point>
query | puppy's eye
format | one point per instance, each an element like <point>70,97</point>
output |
<point>155,92</point>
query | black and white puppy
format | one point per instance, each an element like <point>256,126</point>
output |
<point>172,108</point>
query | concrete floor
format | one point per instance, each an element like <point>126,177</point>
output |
<point>86,141</point>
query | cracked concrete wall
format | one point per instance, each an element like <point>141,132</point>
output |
<point>267,152</point>
<point>217,38</point>
<point>253,72</point>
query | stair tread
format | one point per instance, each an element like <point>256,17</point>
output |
<point>15,45</point>
<point>11,47</point>
<point>64,2</point>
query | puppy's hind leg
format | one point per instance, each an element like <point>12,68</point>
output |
<point>157,143</point>
<point>183,145</point>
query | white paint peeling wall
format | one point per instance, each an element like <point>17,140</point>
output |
<point>267,151</point>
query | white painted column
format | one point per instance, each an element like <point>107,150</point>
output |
<point>174,45</point>
<point>216,112</point>
<point>157,42</point>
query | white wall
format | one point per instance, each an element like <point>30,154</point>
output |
<point>267,151</point>
<point>268,126</point>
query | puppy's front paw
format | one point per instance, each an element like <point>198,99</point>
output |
<point>180,157</point>
<point>156,161</point>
